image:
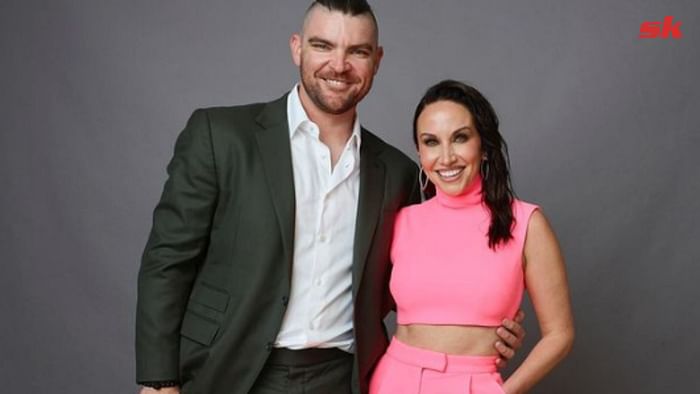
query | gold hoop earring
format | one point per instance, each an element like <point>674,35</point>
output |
<point>421,175</point>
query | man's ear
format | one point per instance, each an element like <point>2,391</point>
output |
<point>379,55</point>
<point>295,42</point>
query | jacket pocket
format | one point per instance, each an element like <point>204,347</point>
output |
<point>198,328</point>
<point>197,333</point>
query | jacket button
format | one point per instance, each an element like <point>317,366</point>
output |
<point>269,346</point>
<point>285,300</point>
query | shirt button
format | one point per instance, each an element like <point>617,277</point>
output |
<point>322,238</point>
<point>318,282</point>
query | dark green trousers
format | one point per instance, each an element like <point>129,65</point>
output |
<point>331,377</point>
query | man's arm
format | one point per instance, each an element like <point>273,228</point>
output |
<point>176,246</point>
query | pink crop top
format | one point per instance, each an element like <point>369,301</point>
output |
<point>443,269</point>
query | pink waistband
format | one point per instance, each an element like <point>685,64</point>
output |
<point>440,361</point>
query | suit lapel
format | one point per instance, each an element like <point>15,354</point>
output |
<point>275,151</point>
<point>369,207</point>
<point>274,146</point>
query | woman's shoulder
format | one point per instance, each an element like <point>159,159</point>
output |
<point>522,207</point>
<point>418,209</point>
<point>524,212</point>
<point>414,213</point>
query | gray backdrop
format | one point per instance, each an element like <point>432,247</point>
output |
<point>602,128</point>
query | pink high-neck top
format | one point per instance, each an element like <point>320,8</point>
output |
<point>443,269</point>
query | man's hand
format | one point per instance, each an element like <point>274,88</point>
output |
<point>511,334</point>
<point>164,390</point>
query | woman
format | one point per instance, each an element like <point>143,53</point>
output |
<point>462,259</point>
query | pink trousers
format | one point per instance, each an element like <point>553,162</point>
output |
<point>406,369</point>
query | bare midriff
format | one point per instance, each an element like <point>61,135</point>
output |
<point>450,339</point>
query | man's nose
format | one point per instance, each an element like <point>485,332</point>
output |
<point>338,62</point>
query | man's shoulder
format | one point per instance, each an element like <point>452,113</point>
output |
<point>388,153</point>
<point>245,111</point>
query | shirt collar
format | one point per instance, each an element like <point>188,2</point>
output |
<point>297,118</point>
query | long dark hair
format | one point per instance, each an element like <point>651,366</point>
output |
<point>497,190</point>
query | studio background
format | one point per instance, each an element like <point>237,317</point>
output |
<point>602,129</point>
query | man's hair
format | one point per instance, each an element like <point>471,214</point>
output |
<point>348,7</point>
<point>352,7</point>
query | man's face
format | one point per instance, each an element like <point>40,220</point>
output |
<point>338,56</point>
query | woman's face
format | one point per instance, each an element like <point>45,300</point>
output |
<point>449,147</point>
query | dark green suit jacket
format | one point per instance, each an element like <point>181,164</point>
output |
<point>215,276</point>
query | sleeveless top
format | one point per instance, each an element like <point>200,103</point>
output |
<point>443,269</point>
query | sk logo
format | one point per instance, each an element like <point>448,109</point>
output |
<point>661,29</point>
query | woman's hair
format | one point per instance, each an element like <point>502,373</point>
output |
<point>497,191</point>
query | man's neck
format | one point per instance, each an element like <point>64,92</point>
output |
<point>334,130</point>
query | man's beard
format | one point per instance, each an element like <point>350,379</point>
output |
<point>335,106</point>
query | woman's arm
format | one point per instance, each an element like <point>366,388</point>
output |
<point>545,279</point>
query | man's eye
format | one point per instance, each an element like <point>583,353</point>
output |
<point>361,52</point>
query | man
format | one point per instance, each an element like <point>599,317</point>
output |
<point>267,266</point>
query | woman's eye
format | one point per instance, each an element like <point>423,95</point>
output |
<point>461,138</point>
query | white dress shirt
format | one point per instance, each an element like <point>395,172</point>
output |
<point>320,310</point>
